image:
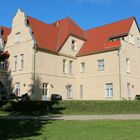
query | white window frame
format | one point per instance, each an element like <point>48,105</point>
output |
<point>82,67</point>
<point>3,65</point>
<point>70,67</point>
<point>81,91</point>
<point>15,63</point>
<point>129,90</point>
<point>69,92</point>
<point>131,38</point>
<point>17,88</point>
<point>65,69</point>
<point>138,42</point>
<point>109,90</point>
<point>45,89</point>
<point>73,45</point>
<point>127,65</point>
<point>21,61</point>
<point>17,38</point>
<point>101,65</point>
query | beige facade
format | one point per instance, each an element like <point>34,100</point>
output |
<point>100,76</point>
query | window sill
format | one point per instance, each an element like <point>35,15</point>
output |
<point>128,72</point>
<point>100,70</point>
<point>108,97</point>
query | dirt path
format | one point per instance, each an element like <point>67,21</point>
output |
<point>79,117</point>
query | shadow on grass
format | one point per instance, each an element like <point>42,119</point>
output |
<point>19,129</point>
<point>32,108</point>
<point>11,129</point>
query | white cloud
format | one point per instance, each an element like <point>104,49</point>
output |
<point>94,1</point>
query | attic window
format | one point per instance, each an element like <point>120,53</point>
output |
<point>17,39</point>
<point>73,45</point>
<point>131,38</point>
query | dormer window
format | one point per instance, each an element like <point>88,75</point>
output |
<point>73,45</point>
<point>17,39</point>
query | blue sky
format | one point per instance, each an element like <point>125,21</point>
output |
<point>86,13</point>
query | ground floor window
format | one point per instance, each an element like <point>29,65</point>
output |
<point>81,91</point>
<point>109,90</point>
<point>45,88</point>
<point>69,91</point>
<point>129,90</point>
<point>17,89</point>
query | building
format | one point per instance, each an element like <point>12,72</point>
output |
<point>98,64</point>
<point>4,32</point>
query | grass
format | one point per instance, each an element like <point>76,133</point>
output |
<point>99,107</point>
<point>69,130</point>
<point>69,107</point>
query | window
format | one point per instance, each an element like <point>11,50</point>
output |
<point>17,37</point>
<point>73,45</point>
<point>2,65</point>
<point>17,89</point>
<point>138,42</point>
<point>69,91</point>
<point>131,38</point>
<point>45,88</point>
<point>109,90</point>
<point>127,65</point>
<point>70,67</point>
<point>82,67</point>
<point>64,66</point>
<point>129,90</point>
<point>100,64</point>
<point>81,91</point>
<point>15,63</point>
<point>21,61</point>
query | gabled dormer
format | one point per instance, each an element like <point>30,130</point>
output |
<point>71,37</point>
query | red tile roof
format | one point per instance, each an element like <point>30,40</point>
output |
<point>68,27</point>
<point>98,38</point>
<point>52,36</point>
<point>45,35</point>
<point>5,32</point>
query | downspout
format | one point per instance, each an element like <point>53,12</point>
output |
<point>119,60</point>
<point>34,72</point>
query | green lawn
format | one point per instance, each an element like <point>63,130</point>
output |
<point>37,108</point>
<point>69,130</point>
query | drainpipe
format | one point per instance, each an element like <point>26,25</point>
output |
<point>119,60</point>
<point>34,74</point>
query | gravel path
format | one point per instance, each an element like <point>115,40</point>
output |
<point>78,117</point>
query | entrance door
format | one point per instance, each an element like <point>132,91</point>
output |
<point>45,93</point>
<point>129,90</point>
<point>17,87</point>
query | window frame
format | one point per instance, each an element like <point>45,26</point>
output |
<point>70,67</point>
<point>109,90</point>
<point>65,69</point>
<point>17,38</point>
<point>21,62</point>
<point>101,64</point>
<point>82,67</point>
<point>15,63</point>
<point>73,45</point>
<point>128,69</point>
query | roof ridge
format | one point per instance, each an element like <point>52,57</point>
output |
<point>111,23</point>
